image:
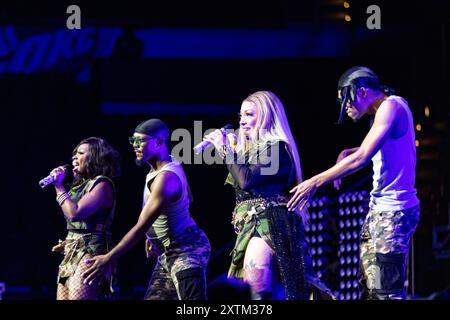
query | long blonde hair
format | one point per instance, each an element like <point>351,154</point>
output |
<point>271,125</point>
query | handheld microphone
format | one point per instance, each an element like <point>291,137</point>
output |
<point>204,144</point>
<point>49,179</point>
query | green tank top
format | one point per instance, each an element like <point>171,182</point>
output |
<point>99,221</point>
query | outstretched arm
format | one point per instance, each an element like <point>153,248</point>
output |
<point>268,164</point>
<point>164,190</point>
<point>377,135</point>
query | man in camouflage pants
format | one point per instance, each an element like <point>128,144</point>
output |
<point>182,248</point>
<point>394,206</point>
<point>384,249</point>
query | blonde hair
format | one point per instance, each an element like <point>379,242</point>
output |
<point>271,125</point>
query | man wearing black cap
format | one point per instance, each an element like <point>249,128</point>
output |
<point>182,248</point>
<point>394,206</point>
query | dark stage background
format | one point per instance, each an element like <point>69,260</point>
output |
<point>195,61</point>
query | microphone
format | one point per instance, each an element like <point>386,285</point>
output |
<point>204,144</point>
<point>49,179</point>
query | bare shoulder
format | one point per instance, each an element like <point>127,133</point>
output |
<point>388,111</point>
<point>102,185</point>
<point>389,105</point>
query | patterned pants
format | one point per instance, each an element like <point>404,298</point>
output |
<point>179,273</point>
<point>73,287</point>
<point>384,248</point>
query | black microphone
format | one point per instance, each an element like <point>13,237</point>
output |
<point>204,144</point>
<point>49,179</point>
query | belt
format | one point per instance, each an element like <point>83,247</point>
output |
<point>258,205</point>
<point>278,199</point>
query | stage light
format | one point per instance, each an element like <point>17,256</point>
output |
<point>362,196</point>
<point>347,18</point>
<point>351,213</point>
<point>418,127</point>
<point>346,5</point>
<point>348,284</point>
<point>427,111</point>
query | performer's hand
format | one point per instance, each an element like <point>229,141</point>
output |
<point>302,193</point>
<point>58,174</point>
<point>150,249</point>
<point>100,266</point>
<point>59,247</point>
<point>217,138</point>
<point>232,140</point>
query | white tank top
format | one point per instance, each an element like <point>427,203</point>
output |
<point>394,169</point>
<point>176,218</point>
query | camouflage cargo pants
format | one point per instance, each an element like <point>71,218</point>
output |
<point>384,248</point>
<point>180,271</point>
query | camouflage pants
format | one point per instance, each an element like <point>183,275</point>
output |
<point>180,271</point>
<point>384,248</point>
<point>283,231</point>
